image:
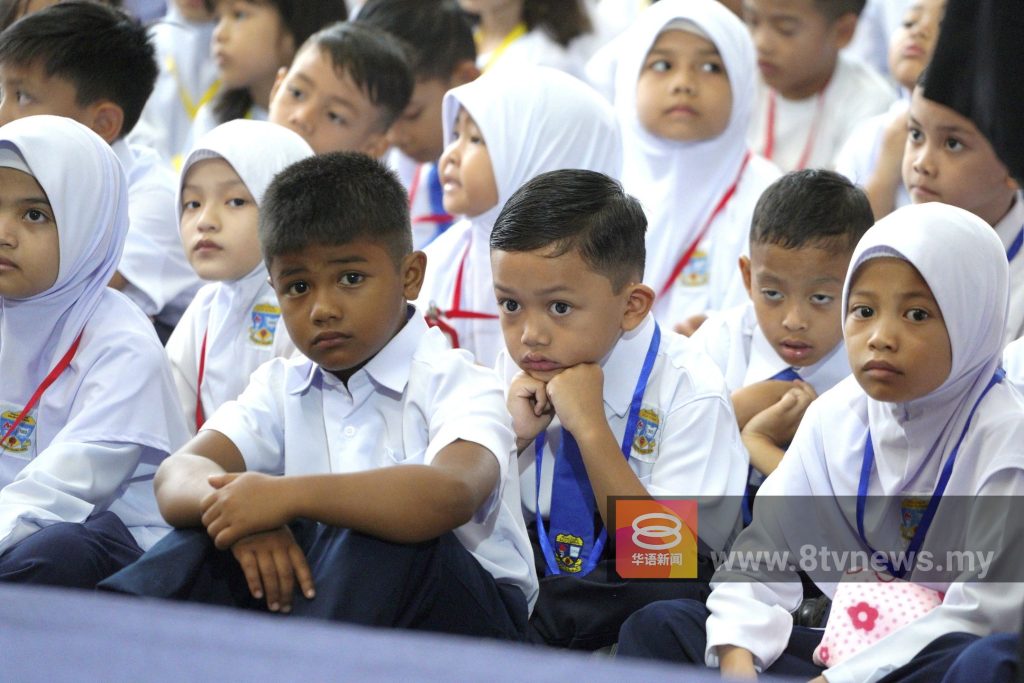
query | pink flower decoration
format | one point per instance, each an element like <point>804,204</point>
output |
<point>863,616</point>
<point>824,654</point>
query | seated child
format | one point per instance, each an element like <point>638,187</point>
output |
<point>568,258</point>
<point>437,543</point>
<point>924,418</point>
<point>684,96</point>
<point>187,80</point>
<point>811,96</point>
<point>1013,363</point>
<point>948,160</point>
<point>346,86</point>
<point>872,156</point>
<point>231,327</point>
<point>442,56</point>
<point>95,64</point>
<point>87,405</point>
<point>504,130</point>
<point>252,41</point>
<point>804,229</point>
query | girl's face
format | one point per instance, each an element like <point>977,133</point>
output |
<point>250,43</point>
<point>467,174</point>
<point>895,336</point>
<point>683,92</point>
<point>29,248</point>
<point>912,44</point>
<point>219,221</point>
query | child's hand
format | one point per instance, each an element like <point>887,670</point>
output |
<point>778,422</point>
<point>577,394</point>
<point>242,504</point>
<point>736,663</point>
<point>750,400</point>
<point>530,408</point>
<point>690,325</point>
<point>271,562</point>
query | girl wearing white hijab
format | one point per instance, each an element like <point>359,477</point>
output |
<point>87,401</point>
<point>232,326</point>
<point>684,91</point>
<point>525,122</point>
<point>924,418</point>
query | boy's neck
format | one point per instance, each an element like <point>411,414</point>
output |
<point>345,375</point>
<point>498,23</point>
<point>260,92</point>
<point>998,214</point>
<point>812,86</point>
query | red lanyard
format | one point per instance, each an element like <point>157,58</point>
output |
<point>435,316</point>
<point>200,416</point>
<point>61,366</point>
<point>688,254</point>
<point>769,143</point>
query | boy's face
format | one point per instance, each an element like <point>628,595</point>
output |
<point>325,106</point>
<point>219,222</point>
<point>896,338</point>
<point>29,247</point>
<point>683,92</point>
<point>343,304</point>
<point>28,91</point>
<point>797,296</point>
<point>948,160</point>
<point>467,175</point>
<point>912,44</point>
<point>250,43</point>
<point>796,44</point>
<point>418,132</point>
<point>556,312</point>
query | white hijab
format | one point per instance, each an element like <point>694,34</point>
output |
<point>951,248</point>
<point>88,192</point>
<point>679,183</point>
<point>257,151</point>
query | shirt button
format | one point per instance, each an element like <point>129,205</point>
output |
<point>350,431</point>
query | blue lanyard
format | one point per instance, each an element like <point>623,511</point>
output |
<point>1015,246</point>
<point>629,433</point>
<point>940,488</point>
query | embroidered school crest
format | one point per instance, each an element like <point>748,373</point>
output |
<point>20,439</point>
<point>695,274</point>
<point>567,553</point>
<point>264,323</point>
<point>912,510</point>
<point>645,440</point>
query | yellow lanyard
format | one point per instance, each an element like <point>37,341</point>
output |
<point>515,34</point>
<point>191,106</point>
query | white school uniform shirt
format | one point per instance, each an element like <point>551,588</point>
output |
<point>99,431</point>
<point>412,399</point>
<point>188,73</point>
<point>912,441</point>
<point>739,348</point>
<point>680,184</point>
<point>533,120</point>
<point>1007,229</point>
<point>536,48</point>
<point>160,280</point>
<point>854,94</point>
<point>696,448</point>
<point>206,120</point>
<point>858,156</point>
<point>239,319</point>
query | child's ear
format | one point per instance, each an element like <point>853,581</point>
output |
<point>411,271</point>
<point>376,145</point>
<point>638,305</point>
<point>1012,183</point>
<point>843,29</point>
<point>745,272</point>
<point>464,72</point>
<point>107,120</point>
<point>281,73</point>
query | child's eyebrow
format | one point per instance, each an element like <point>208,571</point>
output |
<point>826,280</point>
<point>34,200</point>
<point>221,185</point>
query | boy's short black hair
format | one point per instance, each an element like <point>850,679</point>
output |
<point>334,199</point>
<point>374,59</point>
<point>833,9</point>
<point>437,32</point>
<point>575,210</point>
<point>811,208</point>
<point>103,52</point>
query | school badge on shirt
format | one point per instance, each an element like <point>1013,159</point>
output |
<point>264,324</point>
<point>695,274</point>
<point>20,440</point>
<point>645,439</point>
<point>567,553</point>
<point>912,510</point>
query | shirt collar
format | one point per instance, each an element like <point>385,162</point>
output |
<point>765,363</point>
<point>623,364</point>
<point>1010,224</point>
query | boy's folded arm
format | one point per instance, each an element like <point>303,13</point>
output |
<point>181,482</point>
<point>405,503</point>
<point>750,400</point>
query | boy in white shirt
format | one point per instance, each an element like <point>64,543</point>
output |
<point>603,402</point>
<point>784,346</point>
<point>811,96</point>
<point>437,544</point>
